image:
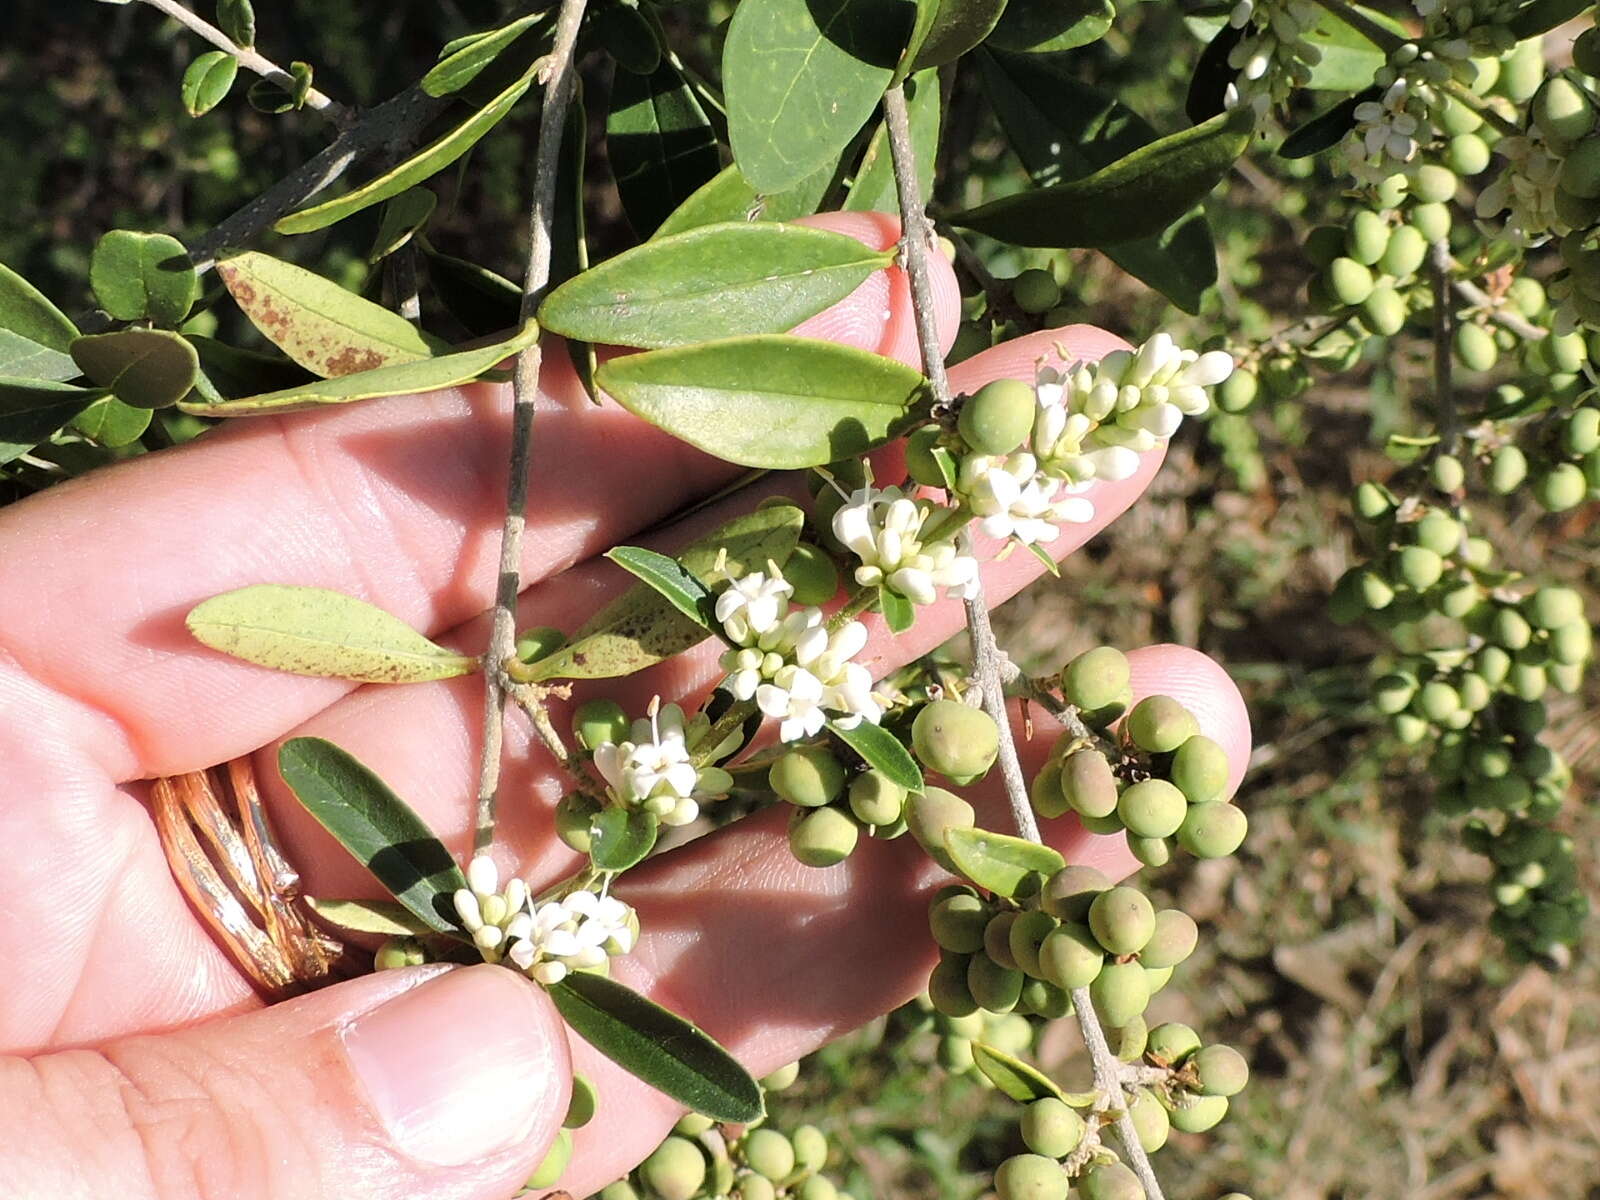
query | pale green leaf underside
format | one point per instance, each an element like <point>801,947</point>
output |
<point>388,918</point>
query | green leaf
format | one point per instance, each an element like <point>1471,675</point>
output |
<point>237,19</point>
<point>24,359</point>
<point>139,275</point>
<point>426,375</point>
<point>1137,196</point>
<point>771,400</point>
<point>236,372</point>
<point>1000,863</point>
<point>729,197</point>
<point>482,301</point>
<point>1325,131</point>
<point>25,312</point>
<point>208,81</point>
<point>801,78</point>
<point>899,614</point>
<point>882,750</point>
<point>1044,558</point>
<point>33,409</point>
<point>659,1047</point>
<point>620,837</point>
<point>641,628</point>
<point>1037,28</point>
<point>1014,1077</point>
<point>957,26</point>
<point>377,827</point>
<point>147,368</point>
<point>679,587</point>
<point>1349,58</point>
<point>1063,130</point>
<point>400,220</point>
<point>314,631</point>
<point>1541,16</point>
<point>874,186</point>
<point>112,423</point>
<point>713,282</point>
<point>266,95</point>
<point>623,32</point>
<point>660,144</point>
<point>427,162</point>
<point>388,918</point>
<point>325,328</point>
<point>461,67</point>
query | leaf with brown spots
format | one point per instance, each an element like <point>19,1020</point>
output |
<point>327,329</point>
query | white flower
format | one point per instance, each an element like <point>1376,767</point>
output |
<point>794,700</point>
<point>1015,499</point>
<point>1274,57</point>
<point>578,932</point>
<point>1525,190</point>
<point>753,604</point>
<point>884,529</point>
<point>654,770</point>
<point>485,910</point>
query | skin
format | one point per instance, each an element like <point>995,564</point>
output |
<point>134,1058</point>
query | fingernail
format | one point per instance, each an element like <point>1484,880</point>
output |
<point>458,1068</point>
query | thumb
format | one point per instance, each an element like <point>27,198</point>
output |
<point>425,1083</point>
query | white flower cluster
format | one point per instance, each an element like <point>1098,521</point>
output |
<point>653,770</point>
<point>884,528</point>
<point>798,673</point>
<point>1524,193</point>
<point>1013,498</point>
<point>1274,57</point>
<point>1387,133</point>
<point>544,941</point>
<point>1479,26</point>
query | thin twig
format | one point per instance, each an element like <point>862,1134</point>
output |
<point>252,60</point>
<point>1497,312</point>
<point>559,80</point>
<point>986,655</point>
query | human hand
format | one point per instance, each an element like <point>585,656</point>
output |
<point>144,1065</point>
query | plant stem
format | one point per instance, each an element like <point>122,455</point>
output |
<point>251,60</point>
<point>558,77</point>
<point>986,655</point>
<point>1498,313</point>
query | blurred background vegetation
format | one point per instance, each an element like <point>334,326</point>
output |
<point>1396,1051</point>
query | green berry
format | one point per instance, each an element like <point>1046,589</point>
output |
<point>997,939</point>
<point>574,815</point>
<point>1438,701</point>
<point>1367,238</point>
<point>1026,938</point>
<point>555,1161</point>
<point>920,462</point>
<point>1374,502</point>
<point>1152,808</point>
<point>755,1187</point>
<point>1045,791</point>
<point>1393,693</point>
<point>1171,1043</point>
<point>994,988</point>
<point>1432,221</point>
<point>955,1053</point>
<point>1553,607</point>
<point>620,1190</point>
<point>809,776</point>
<point>955,739</point>
<point>1157,978</point>
<point>1200,769</point>
<point>1213,830</point>
<point>1031,1177</point>
<point>582,1103</point>
<point>397,952</point>
<point>1110,1181</point>
<point>818,1187</point>
<point>1068,893</point>
<point>1035,291</point>
<point>1199,1114</point>
<point>692,1125</point>
<point>958,921</point>
<point>782,1078</point>
<point>1475,347</point>
<point>1572,645</point>
<point>1431,183</point>
<point>1160,724</point>
<point>810,1149</point>
<point>1349,282</point>
<point>1581,433</point>
<point>1510,629</point>
<point>1580,173</point>
<point>876,799</point>
<point>1507,469</point>
<point>1150,1120</point>
<point>1173,941</point>
<point>1052,1128</point>
<point>539,642</point>
<point>1560,488</point>
<point>930,814</point>
<point>676,1170</point>
<point>1070,957</point>
<point>1523,70</point>
<point>599,721</point>
<point>1238,391</point>
<point>821,837</point>
<point>1152,852</point>
<point>1562,111</point>
<point>1222,1071</point>
<point>813,573</point>
<point>1405,253</point>
<point>1096,678</point>
<point>1420,567</point>
<point>1044,1000</point>
<point>1123,920</point>
<point>768,1153</point>
<point>998,416</point>
<point>1087,785</point>
<point>1467,154</point>
<point>947,987</point>
<point>1384,310</point>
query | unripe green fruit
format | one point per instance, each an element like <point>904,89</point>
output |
<point>1562,111</point>
<point>599,721</point>
<point>398,952</point>
<point>821,837</point>
<point>1431,183</point>
<point>920,463</point>
<point>1560,488</point>
<point>1010,1033</point>
<point>1070,957</point>
<point>1572,645</point>
<point>1096,678</point>
<point>955,739</point>
<point>1527,295</point>
<point>1393,693</point>
<point>1152,852</point>
<point>1131,1039</point>
<point>876,799</point>
<point>573,816</point>
<point>1586,51</point>
<point>1171,1043</point>
<point>1391,190</point>
<point>958,921</point>
<point>1051,1128</point>
<point>1432,221</point>
<point>1510,629</point>
<point>1373,502</point>
<point>1384,310</point>
<point>997,939</point>
<point>1045,791</point>
<point>1110,1181</point>
<point>1152,808</point>
<point>1175,937</point>
<point>1213,830</point>
<point>1222,1070</point>
<point>1031,1177</point>
<point>1467,154</point>
<point>1200,1114</point>
<point>1068,893</point>
<point>676,1170</point>
<point>1439,532</point>
<point>1581,433</point>
<point>810,1149</point>
<point>930,814</point>
<point>1580,173</point>
<point>1120,992</point>
<point>1507,469</point>
<point>782,1078</point>
<point>1150,1120</point>
<point>1238,391</point>
<point>1026,938</point>
<point>813,573</point>
<point>1035,291</point>
<point>809,776</point>
<point>692,1125</point>
<point>1522,71</point>
<point>1438,701</point>
<point>1405,253</point>
<point>947,987</point>
<point>1199,768</point>
<point>1529,682</point>
<point>1087,784</point>
<point>993,987</point>
<point>1553,607</point>
<point>1567,351</point>
<point>1366,239</point>
<point>620,1190</point>
<point>818,1187</point>
<point>1419,567</point>
<point>1160,724</point>
<point>1475,348</point>
<point>769,1153</point>
<point>955,1053</point>
<point>1324,244</point>
<point>755,1187</point>
<point>539,642</point>
<point>1349,282</point>
<point>555,1161</point>
<point>1123,920</point>
<point>581,1104</point>
<point>998,416</point>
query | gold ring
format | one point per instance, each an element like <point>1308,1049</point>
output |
<point>222,852</point>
